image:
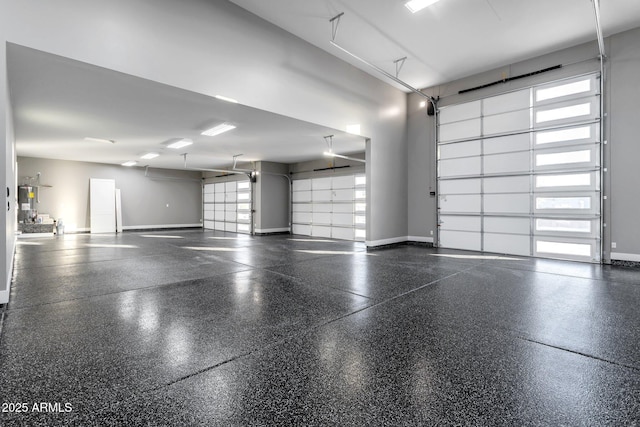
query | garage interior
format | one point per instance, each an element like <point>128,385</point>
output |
<point>241,213</point>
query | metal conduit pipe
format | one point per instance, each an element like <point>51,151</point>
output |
<point>605,255</point>
<point>434,175</point>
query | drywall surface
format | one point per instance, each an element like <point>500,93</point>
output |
<point>8,159</point>
<point>232,52</point>
<point>624,144</point>
<point>272,198</point>
<point>162,199</point>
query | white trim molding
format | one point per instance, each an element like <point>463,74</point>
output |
<point>401,239</point>
<point>383,242</point>
<point>420,239</point>
<point>151,227</point>
<point>272,230</point>
<point>4,294</point>
<point>625,257</point>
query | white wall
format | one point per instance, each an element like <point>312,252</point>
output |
<point>7,158</point>
<point>232,52</point>
<point>144,198</point>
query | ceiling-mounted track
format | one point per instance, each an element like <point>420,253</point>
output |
<point>335,21</point>
<point>596,10</point>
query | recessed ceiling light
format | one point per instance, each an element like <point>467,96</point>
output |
<point>217,130</point>
<point>416,5</point>
<point>149,156</point>
<point>107,141</point>
<point>130,163</point>
<point>224,98</point>
<point>180,144</point>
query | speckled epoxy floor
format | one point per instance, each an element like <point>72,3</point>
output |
<point>207,328</point>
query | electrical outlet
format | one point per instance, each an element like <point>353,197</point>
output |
<point>613,245</point>
<point>432,232</point>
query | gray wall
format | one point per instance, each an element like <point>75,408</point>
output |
<point>621,128</point>
<point>259,64</point>
<point>164,198</point>
<point>624,144</point>
<point>272,198</point>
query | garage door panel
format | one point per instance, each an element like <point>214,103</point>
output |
<point>460,149</point>
<point>460,167</point>
<point>304,230</point>
<point>515,121</point>
<point>302,217</point>
<point>532,187</point>
<point>321,231</point>
<point>460,203</point>
<point>467,129</point>
<point>461,186</point>
<point>461,240</point>
<point>507,163</point>
<point>507,225</point>
<point>459,112</point>
<point>507,184</point>
<point>507,203</point>
<point>461,223</point>
<point>507,243</point>
<point>342,233</point>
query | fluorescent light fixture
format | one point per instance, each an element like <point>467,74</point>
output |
<point>224,98</point>
<point>217,130</point>
<point>416,5</point>
<point>332,154</point>
<point>107,141</point>
<point>180,144</point>
<point>130,163</point>
<point>149,156</point>
<point>353,129</point>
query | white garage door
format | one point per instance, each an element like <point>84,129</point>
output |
<point>333,207</point>
<point>519,173</point>
<point>227,206</point>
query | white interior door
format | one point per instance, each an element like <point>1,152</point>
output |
<point>102,205</point>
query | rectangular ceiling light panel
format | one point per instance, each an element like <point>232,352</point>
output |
<point>416,5</point>
<point>180,144</point>
<point>217,130</point>
<point>149,156</point>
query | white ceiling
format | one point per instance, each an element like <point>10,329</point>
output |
<point>450,39</point>
<point>57,102</point>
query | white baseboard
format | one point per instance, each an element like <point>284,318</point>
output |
<point>4,294</point>
<point>383,242</point>
<point>31,235</point>
<point>625,257</point>
<point>158,226</point>
<point>272,230</point>
<point>420,239</point>
<point>400,239</point>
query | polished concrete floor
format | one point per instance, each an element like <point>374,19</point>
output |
<point>183,328</point>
